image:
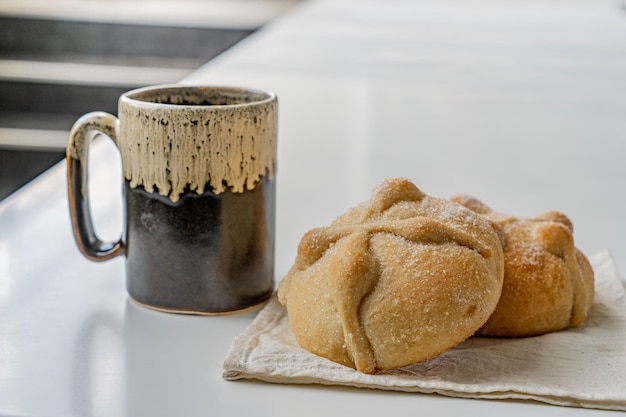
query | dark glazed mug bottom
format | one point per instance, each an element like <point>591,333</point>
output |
<point>204,254</point>
<point>202,313</point>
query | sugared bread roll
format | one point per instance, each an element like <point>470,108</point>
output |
<point>548,282</point>
<point>396,280</point>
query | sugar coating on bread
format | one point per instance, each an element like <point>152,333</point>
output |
<point>548,282</point>
<point>396,280</point>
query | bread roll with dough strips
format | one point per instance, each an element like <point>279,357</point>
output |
<point>399,279</point>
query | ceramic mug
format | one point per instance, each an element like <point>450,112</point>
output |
<point>199,166</point>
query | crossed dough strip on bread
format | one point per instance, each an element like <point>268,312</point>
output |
<point>396,280</point>
<point>548,282</point>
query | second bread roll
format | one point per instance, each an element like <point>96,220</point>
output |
<point>548,282</point>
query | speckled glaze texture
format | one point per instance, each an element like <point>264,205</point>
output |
<point>223,140</point>
<point>199,166</point>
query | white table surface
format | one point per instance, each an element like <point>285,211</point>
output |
<point>521,103</point>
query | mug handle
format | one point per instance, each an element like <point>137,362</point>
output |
<point>83,131</point>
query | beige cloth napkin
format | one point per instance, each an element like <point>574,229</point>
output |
<point>580,367</point>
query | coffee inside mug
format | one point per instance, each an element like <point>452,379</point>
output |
<point>198,96</point>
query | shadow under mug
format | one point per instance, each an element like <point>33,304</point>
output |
<point>199,189</point>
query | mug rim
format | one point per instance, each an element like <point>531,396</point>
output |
<point>132,97</point>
